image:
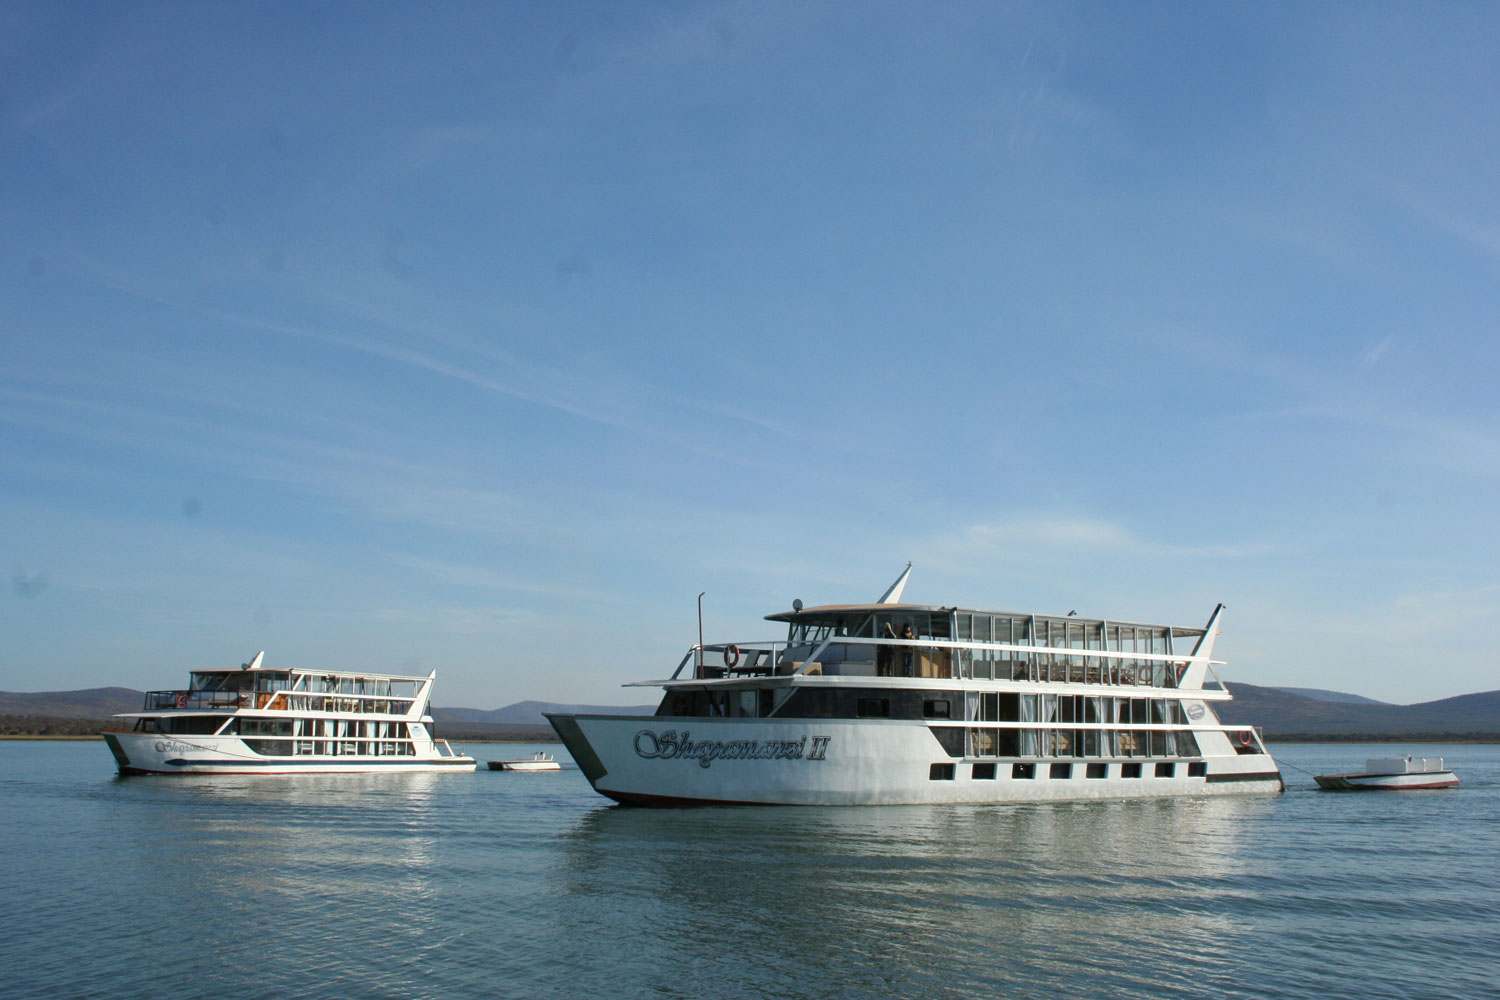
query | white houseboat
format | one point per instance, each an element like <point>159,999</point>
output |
<point>254,720</point>
<point>888,703</point>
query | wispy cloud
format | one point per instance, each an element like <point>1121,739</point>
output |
<point>609,396</point>
<point>1375,352</point>
<point>1093,536</point>
<point>483,578</point>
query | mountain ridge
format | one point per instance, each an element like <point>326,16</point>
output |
<point>1279,712</point>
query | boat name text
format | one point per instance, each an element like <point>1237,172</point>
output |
<point>172,746</point>
<point>673,746</point>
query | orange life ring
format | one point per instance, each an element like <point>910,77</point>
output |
<point>182,699</point>
<point>731,656</point>
<point>1247,738</point>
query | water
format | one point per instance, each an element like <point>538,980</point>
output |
<point>530,885</point>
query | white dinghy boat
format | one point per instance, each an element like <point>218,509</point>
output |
<point>1392,774</point>
<point>536,762</point>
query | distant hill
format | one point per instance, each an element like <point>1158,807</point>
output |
<point>1318,694</point>
<point>530,712</point>
<point>78,713</point>
<point>1282,714</point>
<point>90,703</point>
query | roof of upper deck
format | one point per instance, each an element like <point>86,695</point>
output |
<point>852,610</point>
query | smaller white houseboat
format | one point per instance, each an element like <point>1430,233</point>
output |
<point>1395,773</point>
<point>253,720</point>
<point>536,762</point>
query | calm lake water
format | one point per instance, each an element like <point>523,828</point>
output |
<point>530,885</point>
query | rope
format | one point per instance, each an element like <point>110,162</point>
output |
<point>1294,767</point>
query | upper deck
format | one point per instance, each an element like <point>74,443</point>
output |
<point>254,686</point>
<point>924,641</point>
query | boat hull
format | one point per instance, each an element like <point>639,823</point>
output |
<point>153,753</point>
<point>1386,782</point>
<point>659,760</point>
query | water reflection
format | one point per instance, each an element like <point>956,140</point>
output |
<point>408,886</point>
<point>904,895</point>
<point>301,867</point>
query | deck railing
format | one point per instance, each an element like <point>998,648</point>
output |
<point>297,701</point>
<point>941,658</point>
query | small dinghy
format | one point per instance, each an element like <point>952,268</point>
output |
<point>1393,774</point>
<point>536,762</point>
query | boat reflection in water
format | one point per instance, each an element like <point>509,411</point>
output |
<point>924,900</point>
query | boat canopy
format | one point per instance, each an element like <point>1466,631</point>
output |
<point>930,621</point>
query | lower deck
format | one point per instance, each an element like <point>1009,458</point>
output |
<point>145,752</point>
<point>666,760</point>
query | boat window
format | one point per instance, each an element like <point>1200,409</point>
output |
<point>1130,770</point>
<point>1166,769</point>
<point>984,772</point>
<point>940,772</point>
<point>1098,771</point>
<point>192,725</point>
<point>1020,770</point>
<point>1197,769</point>
<point>873,708</point>
<point>936,708</point>
<point>812,632</point>
<point>1060,771</point>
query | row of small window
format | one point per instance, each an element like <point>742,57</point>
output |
<point>1062,771</point>
<point>360,748</point>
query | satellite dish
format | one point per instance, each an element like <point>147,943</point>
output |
<point>797,604</point>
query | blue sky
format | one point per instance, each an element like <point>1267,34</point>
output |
<point>482,337</point>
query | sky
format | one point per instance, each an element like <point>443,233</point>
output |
<point>482,337</point>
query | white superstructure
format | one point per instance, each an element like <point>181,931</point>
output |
<point>254,720</point>
<point>888,703</point>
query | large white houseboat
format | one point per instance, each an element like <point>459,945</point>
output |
<point>888,703</point>
<point>254,720</point>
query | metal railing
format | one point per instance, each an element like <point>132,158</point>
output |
<point>281,700</point>
<point>942,658</point>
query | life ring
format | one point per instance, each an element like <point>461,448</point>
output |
<point>731,656</point>
<point>1246,738</point>
<point>182,699</point>
<point>1143,676</point>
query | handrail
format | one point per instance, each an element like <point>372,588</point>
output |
<point>279,700</point>
<point>1004,647</point>
<point>756,646</point>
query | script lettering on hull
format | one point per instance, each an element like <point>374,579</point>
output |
<point>671,745</point>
